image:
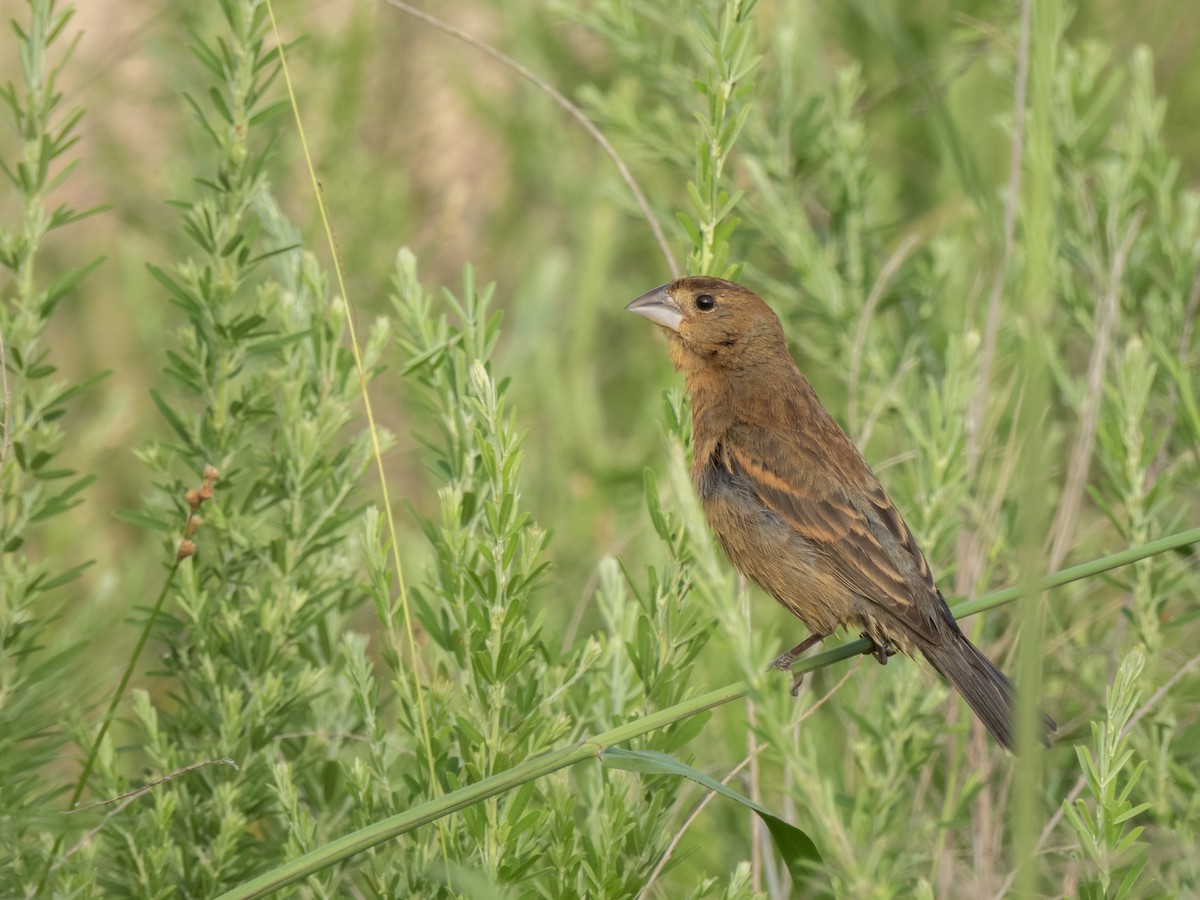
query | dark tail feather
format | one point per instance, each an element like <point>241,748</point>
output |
<point>982,685</point>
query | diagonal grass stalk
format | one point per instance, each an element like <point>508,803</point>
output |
<point>433,810</point>
<point>373,428</point>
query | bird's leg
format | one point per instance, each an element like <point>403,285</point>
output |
<point>785,660</point>
<point>881,652</point>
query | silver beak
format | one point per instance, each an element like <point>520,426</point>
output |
<point>659,307</point>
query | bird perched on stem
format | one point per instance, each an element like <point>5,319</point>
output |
<point>793,503</point>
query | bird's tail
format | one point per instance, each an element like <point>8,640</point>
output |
<point>985,688</point>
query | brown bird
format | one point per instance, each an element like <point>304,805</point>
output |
<point>793,503</point>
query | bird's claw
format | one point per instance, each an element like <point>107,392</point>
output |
<point>881,652</point>
<point>784,660</point>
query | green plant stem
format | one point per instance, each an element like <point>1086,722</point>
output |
<point>540,766</point>
<point>90,762</point>
<point>368,408</point>
<point>567,106</point>
<point>1076,573</point>
<point>81,785</point>
<point>1034,516</point>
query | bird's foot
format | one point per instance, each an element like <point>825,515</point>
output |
<point>881,652</point>
<point>797,683</point>
<point>784,660</point>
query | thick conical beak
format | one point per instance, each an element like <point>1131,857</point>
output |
<point>658,306</point>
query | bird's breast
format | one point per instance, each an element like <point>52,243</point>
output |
<point>765,548</point>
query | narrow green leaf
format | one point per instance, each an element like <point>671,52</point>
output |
<point>797,849</point>
<point>64,500</point>
<point>1126,887</point>
<point>270,253</point>
<point>175,289</point>
<point>142,519</point>
<point>65,577</point>
<point>64,284</point>
<point>75,390</point>
<point>173,420</point>
<point>268,347</point>
<point>1130,813</point>
<point>1129,839</point>
<point>65,215</point>
<point>268,112</point>
<point>219,103</point>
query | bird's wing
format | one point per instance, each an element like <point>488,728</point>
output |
<point>846,516</point>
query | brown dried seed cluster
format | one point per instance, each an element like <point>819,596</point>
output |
<point>195,497</point>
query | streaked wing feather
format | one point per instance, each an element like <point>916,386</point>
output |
<point>862,541</point>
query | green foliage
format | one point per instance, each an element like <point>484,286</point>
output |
<point>36,487</point>
<point>257,384</point>
<point>1014,351</point>
<point>490,666</point>
<point>1112,773</point>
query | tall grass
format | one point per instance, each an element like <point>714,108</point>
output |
<point>985,255</point>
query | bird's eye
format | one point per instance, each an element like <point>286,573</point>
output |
<point>705,302</point>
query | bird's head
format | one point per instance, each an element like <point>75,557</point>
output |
<point>714,321</point>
